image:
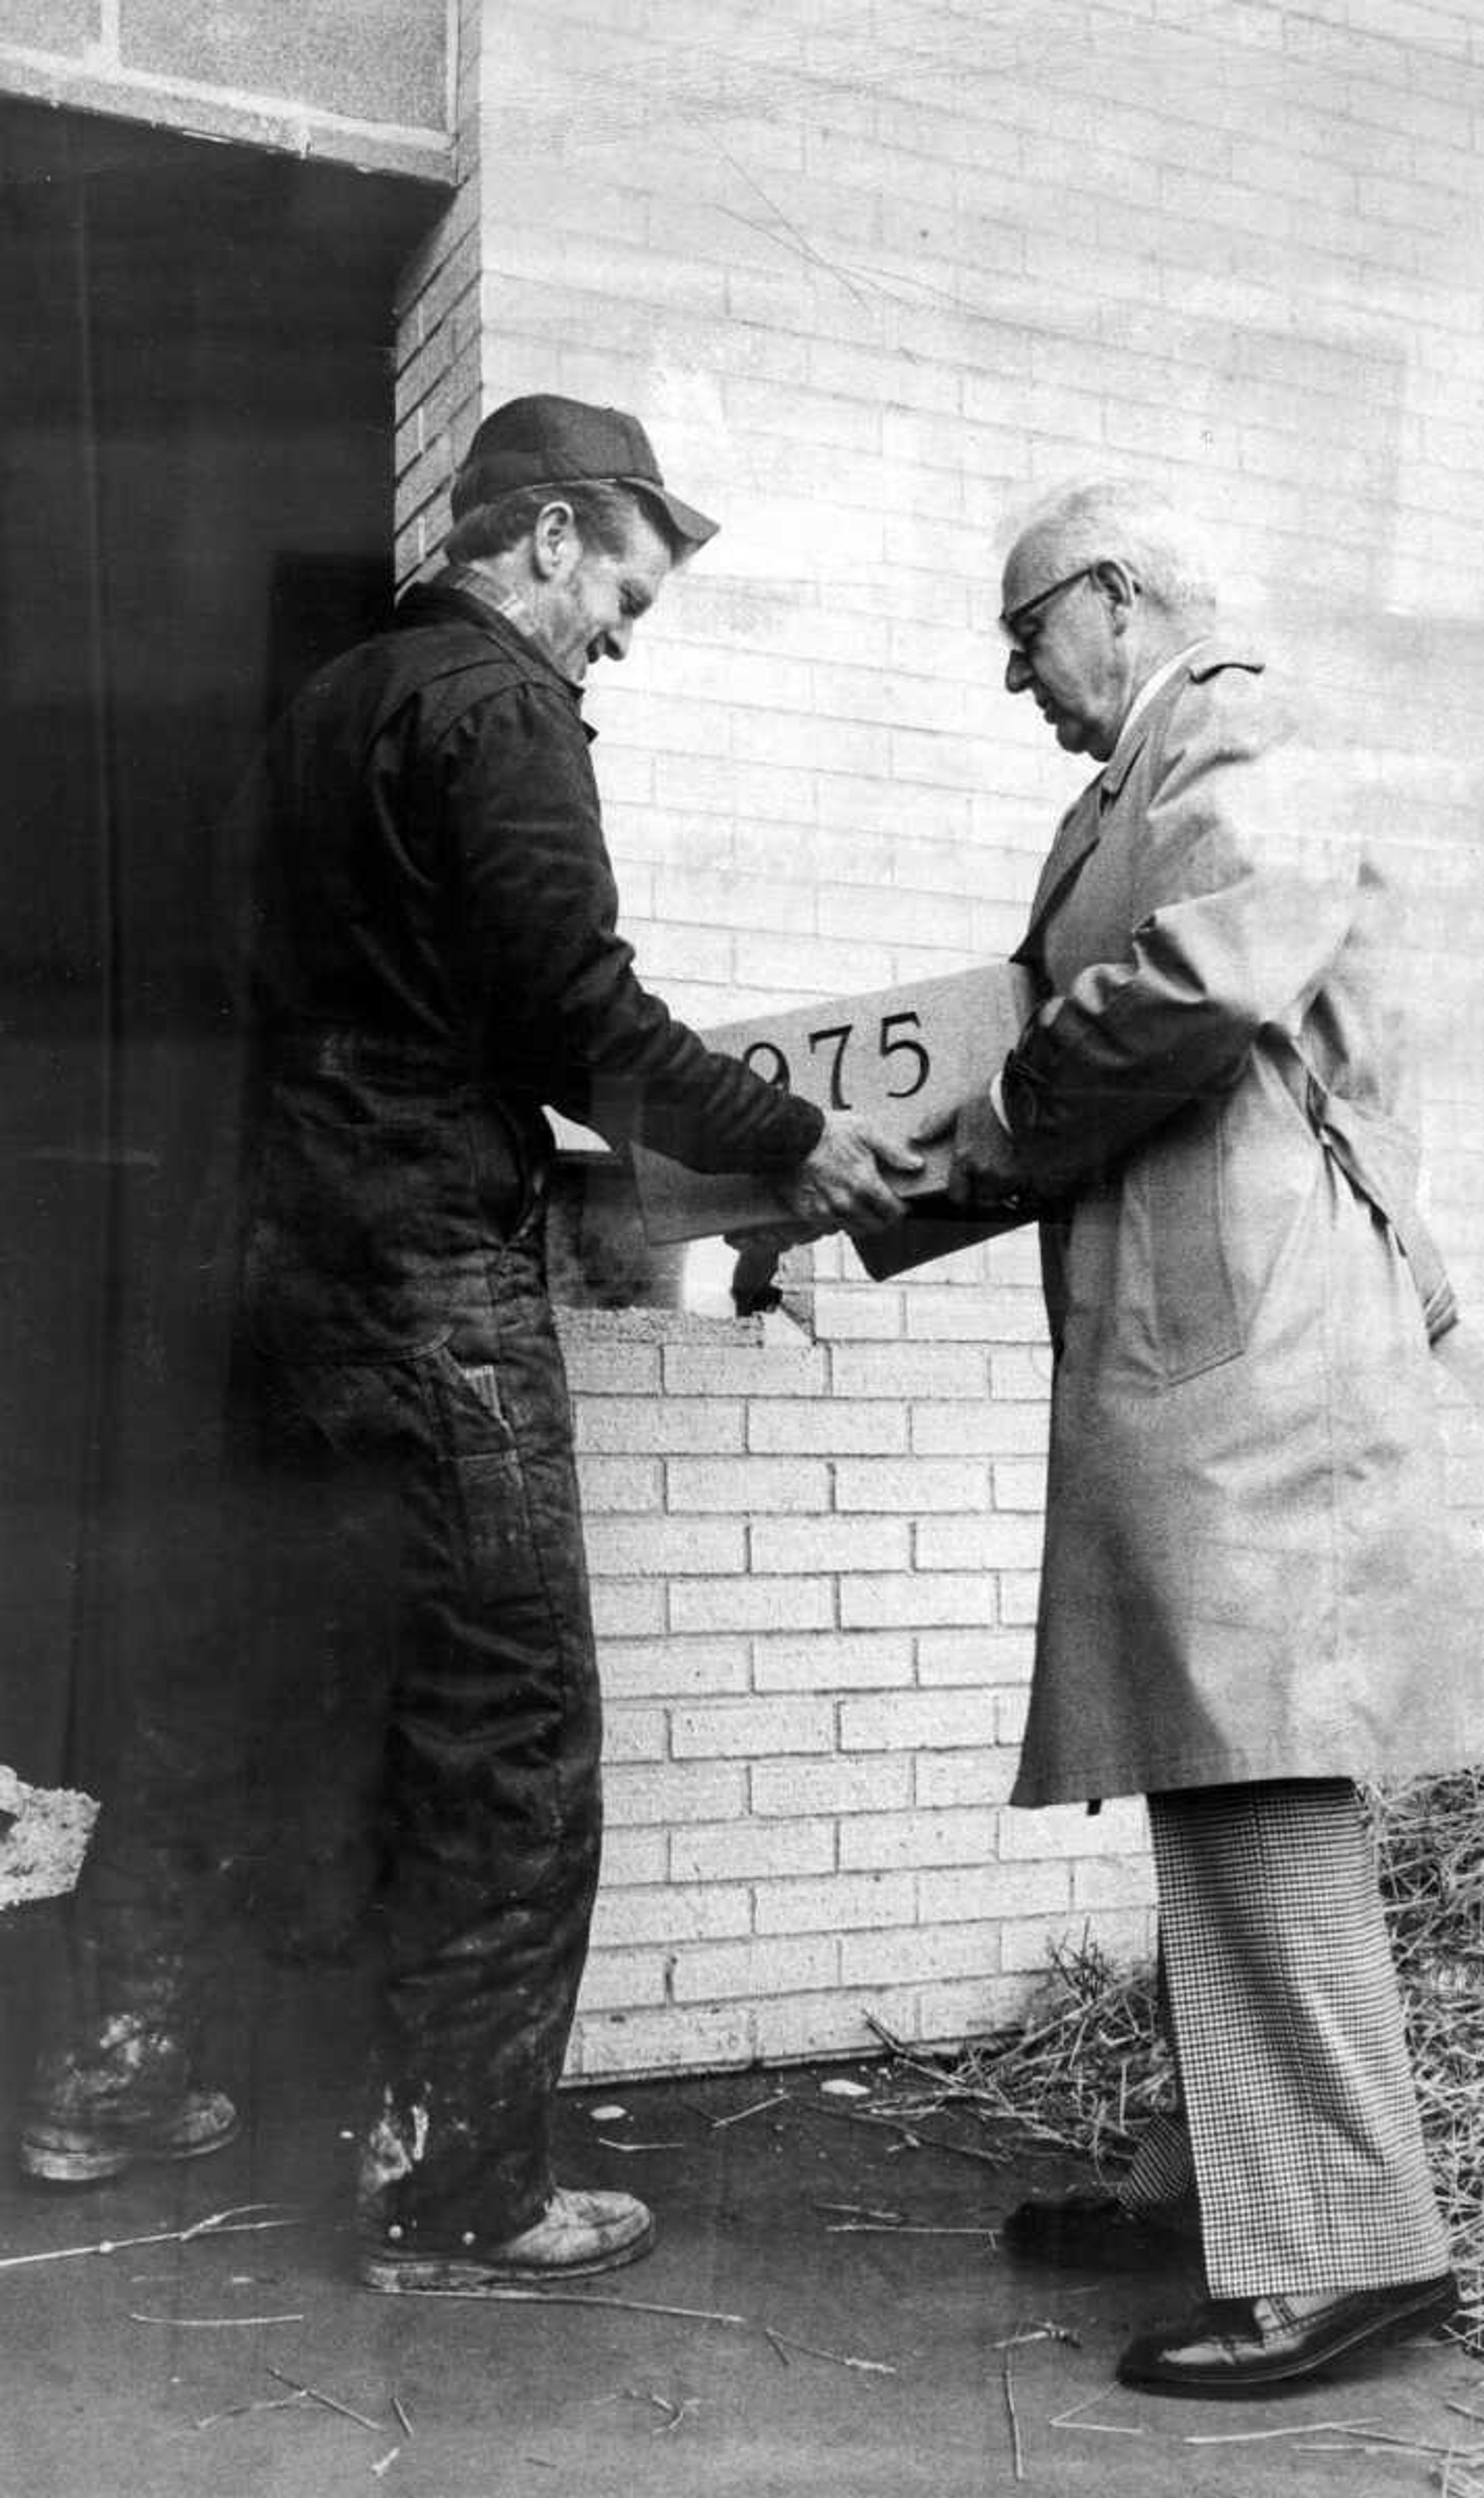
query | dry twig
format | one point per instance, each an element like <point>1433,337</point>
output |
<point>210,2323</point>
<point>1072,2418</point>
<point>839,2358</point>
<point>1017,2451</point>
<point>1262,2436</point>
<point>239,2411</point>
<point>216,2225</point>
<point>314,2394</point>
<point>741,2115</point>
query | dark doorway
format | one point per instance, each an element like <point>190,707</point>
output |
<point>196,482</point>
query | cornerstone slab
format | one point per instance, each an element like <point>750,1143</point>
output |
<point>901,1057</point>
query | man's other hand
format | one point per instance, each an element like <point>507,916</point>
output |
<point>983,1171</point>
<point>839,1186</point>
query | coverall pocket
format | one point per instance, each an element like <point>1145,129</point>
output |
<point>490,1515</point>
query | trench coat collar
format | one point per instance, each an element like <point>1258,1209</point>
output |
<point>1208,658</point>
<point>1080,827</point>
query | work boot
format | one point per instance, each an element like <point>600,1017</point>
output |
<point>578,2234</point>
<point>123,2096</point>
<point>56,2151</point>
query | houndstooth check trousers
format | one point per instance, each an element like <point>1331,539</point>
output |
<point>1299,2129</point>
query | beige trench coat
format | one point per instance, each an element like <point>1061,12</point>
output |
<point>1248,1571</point>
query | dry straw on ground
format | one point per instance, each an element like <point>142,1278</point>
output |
<point>1089,2065</point>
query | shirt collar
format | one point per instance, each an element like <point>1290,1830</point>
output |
<point>1150,687</point>
<point>471,583</point>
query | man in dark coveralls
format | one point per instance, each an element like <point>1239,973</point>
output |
<point>435,958</point>
<point>1249,1597</point>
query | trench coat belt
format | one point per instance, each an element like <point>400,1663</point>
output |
<point>1341,1129</point>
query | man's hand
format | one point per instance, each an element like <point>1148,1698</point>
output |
<point>984,1171</point>
<point>838,1186</point>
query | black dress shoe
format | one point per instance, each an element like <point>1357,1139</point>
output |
<point>1258,2346</point>
<point>1093,2231</point>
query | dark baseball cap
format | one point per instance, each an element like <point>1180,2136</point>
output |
<point>547,441</point>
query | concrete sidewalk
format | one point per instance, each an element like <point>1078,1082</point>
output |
<point>115,2361</point>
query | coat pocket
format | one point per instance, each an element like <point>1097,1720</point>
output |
<point>1197,1320</point>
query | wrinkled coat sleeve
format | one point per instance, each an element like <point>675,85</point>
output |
<point>540,946</point>
<point>1240,905</point>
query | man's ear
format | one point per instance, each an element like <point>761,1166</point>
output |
<point>554,540</point>
<point>1120,587</point>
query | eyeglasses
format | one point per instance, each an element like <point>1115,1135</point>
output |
<point>1013,623</point>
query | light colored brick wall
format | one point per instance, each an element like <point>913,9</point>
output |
<point>366,82</point>
<point>813,1546</point>
<point>873,276</point>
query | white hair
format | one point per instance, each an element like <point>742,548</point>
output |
<point>1117,519</point>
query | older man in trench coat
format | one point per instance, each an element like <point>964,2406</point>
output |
<point>1249,1597</point>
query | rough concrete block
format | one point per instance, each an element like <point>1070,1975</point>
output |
<point>650,1795</point>
<point>632,2043</point>
<point>369,60</point>
<point>837,1902</point>
<point>751,1729</point>
<point>784,1543</point>
<point>921,1721</point>
<point>921,1953</point>
<point>1001,1540</point>
<point>794,1787</point>
<point>645,1548</point>
<point>995,1890</point>
<point>780,1965</point>
<point>623,1977</point>
<point>960,1372</point>
<point>625,1487</point>
<point>751,1604</point>
<point>975,1656</point>
<point>989,1428</point>
<point>836,1425</point>
<point>911,1485</point>
<point>671,1912</point>
<point>974,2007</point>
<point>651,1669</point>
<point>968,1777</point>
<point>915,1600</point>
<point>631,1734</point>
<point>780,1368</point>
<point>733,1851</point>
<point>965,1836</point>
<point>834,1661</point>
<point>66,26</point>
<point>738,1485</point>
<point>628,1609</point>
<point>630,1424</point>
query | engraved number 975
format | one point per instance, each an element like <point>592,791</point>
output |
<point>894,1041</point>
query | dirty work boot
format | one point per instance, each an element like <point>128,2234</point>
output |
<point>579,2232</point>
<point>93,2114</point>
<point>59,2154</point>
